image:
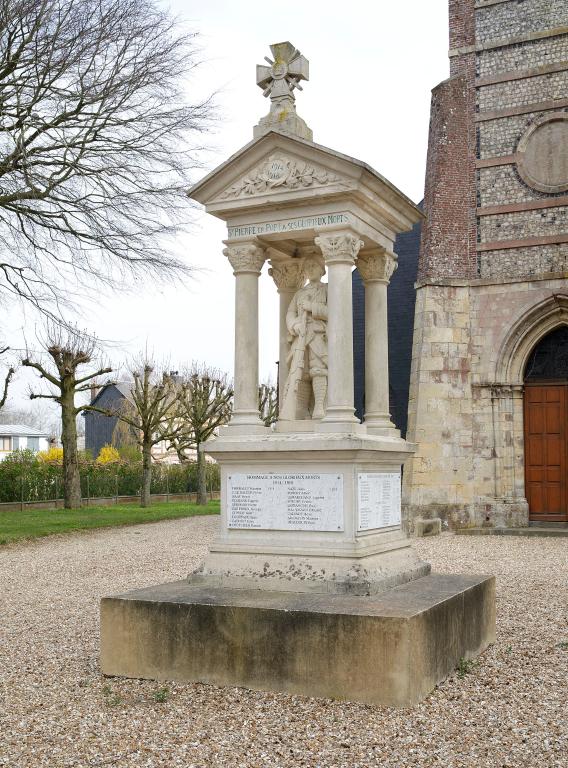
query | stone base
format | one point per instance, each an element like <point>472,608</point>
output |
<point>391,649</point>
<point>427,527</point>
<point>486,512</point>
<point>312,573</point>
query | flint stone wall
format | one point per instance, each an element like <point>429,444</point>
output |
<point>496,22</point>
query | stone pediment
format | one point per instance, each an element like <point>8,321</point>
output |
<point>285,172</point>
<point>281,172</point>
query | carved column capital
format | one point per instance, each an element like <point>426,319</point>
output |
<point>339,247</point>
<point>377,265</point>
<point>287,275</point>
<point>245,257</point>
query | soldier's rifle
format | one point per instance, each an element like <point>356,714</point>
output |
<point>296,371</point>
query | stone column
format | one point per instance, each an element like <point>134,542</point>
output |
<point>247,260</point>
<point>340,250</point>
<point>519,491</point>
<point>289,278</point>
<point>376,268</point>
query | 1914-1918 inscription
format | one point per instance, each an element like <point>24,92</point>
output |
<point>379,500</point>
<point>285,502</point>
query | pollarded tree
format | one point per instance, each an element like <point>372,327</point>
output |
<point>204,404</point>
<point>97,141</point>
<point>268,403</point>
<point>148,410</point>
<point>68,349</point>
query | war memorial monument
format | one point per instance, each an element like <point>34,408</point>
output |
<point>311,585</point>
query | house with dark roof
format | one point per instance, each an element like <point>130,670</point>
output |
<point>99,428</point>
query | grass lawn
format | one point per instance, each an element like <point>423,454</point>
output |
<point>32,523</point>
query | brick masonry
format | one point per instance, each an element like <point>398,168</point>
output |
<point>474,307</point>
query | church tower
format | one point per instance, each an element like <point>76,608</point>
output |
<point>488,402</point>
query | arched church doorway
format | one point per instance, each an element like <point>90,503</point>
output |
<point>546,428</point>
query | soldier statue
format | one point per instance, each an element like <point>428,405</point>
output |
<point>306,386</point>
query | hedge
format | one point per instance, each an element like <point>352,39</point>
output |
<point>24,478</point>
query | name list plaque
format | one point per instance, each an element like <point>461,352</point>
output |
<point>285,502</point>
<point>379,500</point>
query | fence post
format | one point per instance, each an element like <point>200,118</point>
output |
<point>88,493</point>
<point>167,483</point>
<point>116,488</point>
<point>56,490</point>
<point>22,491</point>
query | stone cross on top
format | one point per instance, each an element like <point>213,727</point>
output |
<point>279,81</point>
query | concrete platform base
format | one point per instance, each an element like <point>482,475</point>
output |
<point>389,649</point>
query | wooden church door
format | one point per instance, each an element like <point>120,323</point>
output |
<point>546,429</point>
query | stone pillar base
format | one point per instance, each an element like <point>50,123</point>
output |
<point>312,572</point>
<point>388,650</point>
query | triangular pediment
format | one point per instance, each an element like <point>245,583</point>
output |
<point>280,172</point>
<point>274,165</point>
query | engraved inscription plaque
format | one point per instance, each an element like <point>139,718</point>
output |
<point>285,502</point>
<point>378,500</point>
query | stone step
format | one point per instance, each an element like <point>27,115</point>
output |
<point>532,531</point>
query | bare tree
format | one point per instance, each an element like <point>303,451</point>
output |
<point>125,439</point>
<point>68,349</point>
<point>268,403</point>
<point>41,418</point>
<point>204,404</point>
<point>148,411</point>
<point>96,142</point>
<point>7,379</point>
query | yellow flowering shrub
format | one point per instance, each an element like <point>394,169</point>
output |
<point>108,455</point>
<point>53,455</point>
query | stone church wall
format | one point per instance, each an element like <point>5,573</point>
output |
<point>494,249</point>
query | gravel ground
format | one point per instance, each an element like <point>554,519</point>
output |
<point>56,710</point>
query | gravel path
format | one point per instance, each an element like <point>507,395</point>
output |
<point>56,710</point>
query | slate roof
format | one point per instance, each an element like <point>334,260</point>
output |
<point>124,387</point>
<point>21,430</point>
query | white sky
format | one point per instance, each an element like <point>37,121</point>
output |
<point>373,64</point>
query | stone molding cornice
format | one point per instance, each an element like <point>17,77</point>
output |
<point>523,74</point>
<point>505,42</point>
<point>530,205</point>
<point>377,266</point>
<point>288,275</point>
<point>245,258</point>
<point>522,109</point>
<point>480,282</point>
<point>486,3</point>
<point>339,247</point>
<point>526,242</point>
